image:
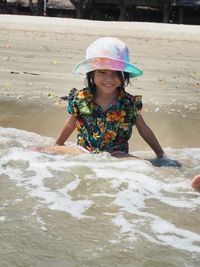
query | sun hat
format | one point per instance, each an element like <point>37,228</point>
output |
<point>107,53</point>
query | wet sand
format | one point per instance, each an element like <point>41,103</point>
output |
<point>38,54</point>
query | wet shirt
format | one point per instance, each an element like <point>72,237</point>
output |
<point>100,130</point>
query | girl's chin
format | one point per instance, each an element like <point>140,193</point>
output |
<point>109,89</point>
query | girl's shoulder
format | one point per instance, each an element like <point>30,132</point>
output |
<point>132,101</point>
<point>81,94</point>
<point>133,98</point>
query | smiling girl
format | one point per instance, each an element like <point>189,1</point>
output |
<point>103,112</point>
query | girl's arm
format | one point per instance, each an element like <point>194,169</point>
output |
<point>148,136</point>
<point>67,130</point>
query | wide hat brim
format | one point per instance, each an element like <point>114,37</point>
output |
<point>107,63</point>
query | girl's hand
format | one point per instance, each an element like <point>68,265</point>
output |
<point>165,161</point>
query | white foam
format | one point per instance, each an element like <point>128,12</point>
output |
<point>124,224</point>
<point>136,190</point>
<point>169,234</point>
<point>2,218</point>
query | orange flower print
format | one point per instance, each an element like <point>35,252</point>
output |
<point>83,94</point>
<point>109,135</point>
<point>101,125</point>
<point>116,116</point>
<point>79,124</point>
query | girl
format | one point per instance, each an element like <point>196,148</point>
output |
<point>104,113</point>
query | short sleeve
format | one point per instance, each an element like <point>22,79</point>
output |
<point>72,107</point>
<point>138,103</point>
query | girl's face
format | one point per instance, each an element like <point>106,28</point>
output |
<point>107,81</point>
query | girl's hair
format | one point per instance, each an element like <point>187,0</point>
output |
<point>123,76</point>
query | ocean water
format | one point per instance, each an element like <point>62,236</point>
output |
<point>95,210</point>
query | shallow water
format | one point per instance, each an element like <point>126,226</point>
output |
<point>94,210</point>
<point>174,126</point>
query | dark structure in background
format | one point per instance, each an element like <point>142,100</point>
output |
<point>167,11</point>
<point>186,11</point>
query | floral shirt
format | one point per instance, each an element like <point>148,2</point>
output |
<point>100,130</point>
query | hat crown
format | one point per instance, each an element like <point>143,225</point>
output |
<point>108,47</point>
<point>107,53</point>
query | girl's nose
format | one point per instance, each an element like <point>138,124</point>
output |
<point>110,75</point>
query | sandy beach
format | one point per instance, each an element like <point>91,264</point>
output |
<point>38,54</point>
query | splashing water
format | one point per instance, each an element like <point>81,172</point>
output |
<point>95,210</point>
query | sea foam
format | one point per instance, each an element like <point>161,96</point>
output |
<point>139,199</point>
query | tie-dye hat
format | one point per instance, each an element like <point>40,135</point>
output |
<point>110,54</point>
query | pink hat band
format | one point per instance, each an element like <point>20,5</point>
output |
<point>107,53</point>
